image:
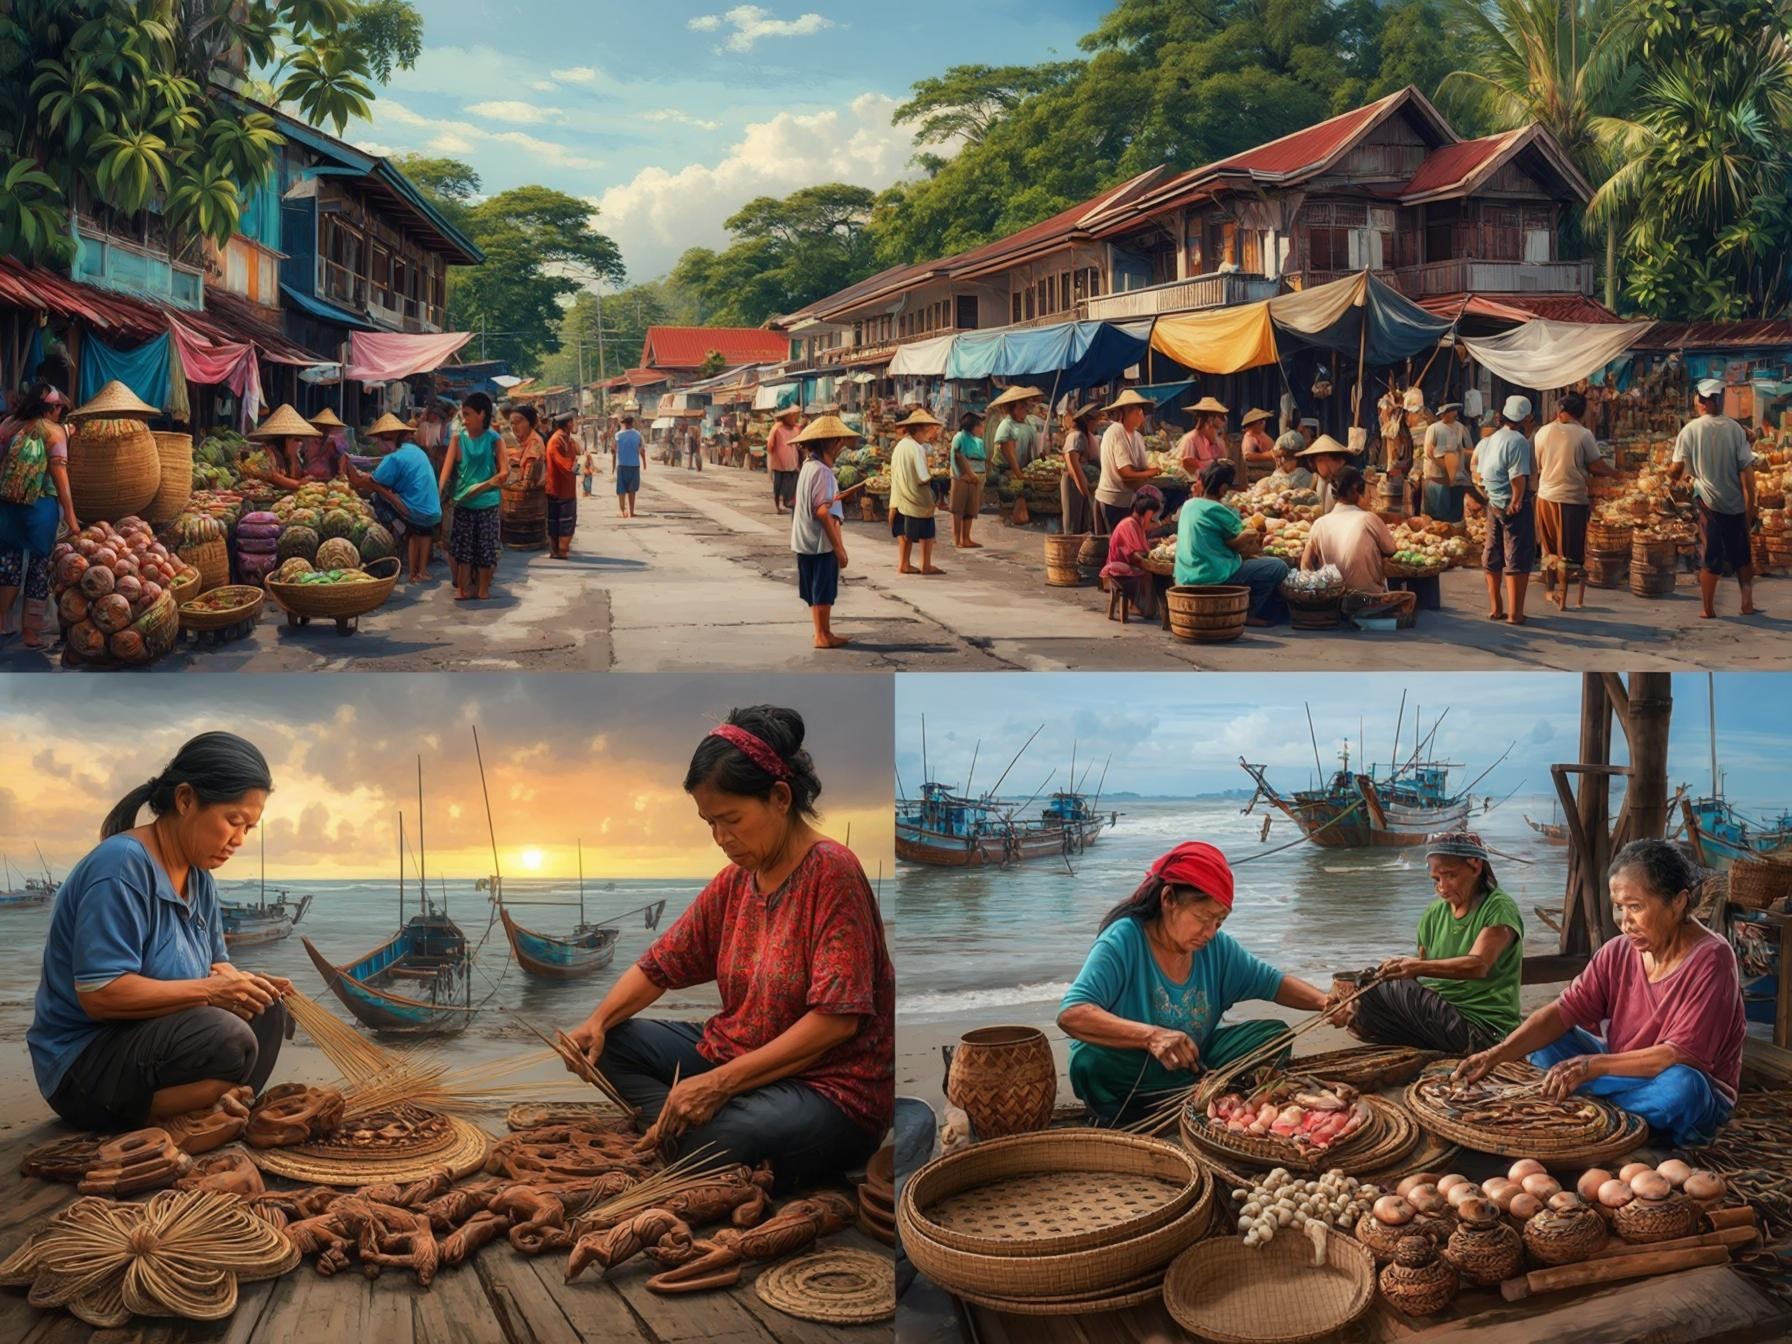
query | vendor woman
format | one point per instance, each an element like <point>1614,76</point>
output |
<point>1460,993</point>
<point>1669,996</point>
<point>140,1017</point>
<point>798,1066</point>
<point>295,449</point>
<point>1144,1013</point>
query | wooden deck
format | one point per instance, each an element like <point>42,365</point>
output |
<point>498,1297</point>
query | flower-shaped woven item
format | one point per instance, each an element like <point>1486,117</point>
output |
<point>181,1254</point>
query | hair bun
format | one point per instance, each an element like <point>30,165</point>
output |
<point>781,729</point>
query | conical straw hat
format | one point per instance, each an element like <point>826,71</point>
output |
<point>115,399</point>
<point>1130,398</point>
<point>386,424</point>
<point>827,427</point>
<point>1322,445</point>
<point>917,418</point>
<point>1010,395</point>
<point>1253,415</point>
<point>1209,405</point>
<point>326,419</point>
<point>286,423</point>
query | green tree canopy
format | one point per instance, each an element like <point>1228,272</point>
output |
<point>785,253</point>
<point>966,101</point>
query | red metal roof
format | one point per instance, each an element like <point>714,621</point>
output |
<point>1521,307</point>
<point>1308,148</point>
<point>688,347</point>
<point>1455,163</point>
<point>1756,334</point>
<point>637,378</point>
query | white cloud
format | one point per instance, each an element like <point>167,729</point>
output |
<point>578,74</point>
<point>750,23</point>
<point>542,85</point>
<point>673,115</point>
<point>463,137</point>
<point>660,212</point>
<point>518,113</point>
<point>449,143</point>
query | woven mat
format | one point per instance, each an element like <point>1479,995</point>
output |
<point>348,1158</point>
<point>836,1287</point>
<point>1052,1204</point>
<point>533,1114</point>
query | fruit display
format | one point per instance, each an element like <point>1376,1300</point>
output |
<point>1314,582</point>
<point>191,529</point>
<point>337,552</point>
<point>215,460</point>
<point>1169,469</point>
<point>298,540</point>
<point>224,505</point>
<point>374,542</point>
<point>108,583</point>
<point>291,569</point>
<point>318,577</point>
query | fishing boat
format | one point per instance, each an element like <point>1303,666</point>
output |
<point>552,956</point>
<point>1553,831</point>
<point>419,981</point>
<point>1716,831</point>
<point>248,924</point>
<point>33,891</point>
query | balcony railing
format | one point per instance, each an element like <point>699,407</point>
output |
<point>115,263</point>
<point>340,285</point>
<point>1181,296</point>
<point>1467,276</point>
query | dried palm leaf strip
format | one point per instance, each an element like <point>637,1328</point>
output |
<point>694,1169</point>
<point>562,1044</point>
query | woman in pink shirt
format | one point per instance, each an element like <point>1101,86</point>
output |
<point>1206,442</point>
<point>1669,994</point>
<point>1129,545</point>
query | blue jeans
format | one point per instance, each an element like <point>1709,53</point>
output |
<point>807,1139</point>
<point>1679,1103</point>
<point>1263,576</point>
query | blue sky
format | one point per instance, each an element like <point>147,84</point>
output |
<point>668,117</point>
<point>1174,733</point>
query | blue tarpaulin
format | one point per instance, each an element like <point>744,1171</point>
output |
<point>1398,327</point>
<point>1069,355</point>
<point>143,370</point>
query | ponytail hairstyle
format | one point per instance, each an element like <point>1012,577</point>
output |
<point>723,765</point>
<point>218,767</point>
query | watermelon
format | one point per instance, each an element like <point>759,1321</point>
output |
<point>304,517</point>
<point>376,544</point>
<point>299,541</point>
<point>290,570</point>
<point>338,553</point>
<point>337,523</point>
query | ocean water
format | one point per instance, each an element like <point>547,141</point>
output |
<point>348,918</point>
<point>971,942</point>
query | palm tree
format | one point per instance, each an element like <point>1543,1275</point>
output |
<point>1554,62</point>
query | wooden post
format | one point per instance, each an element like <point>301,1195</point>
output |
<point>1651,710</point>
<point>1587,862</point>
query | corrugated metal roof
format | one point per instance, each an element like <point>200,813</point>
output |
<point>1521,307</point>
<point>1755,334</point>
<point>1311,147</point>
<point>688,347</point>
<point>1452,164</point>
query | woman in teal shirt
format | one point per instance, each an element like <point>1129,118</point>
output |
<point>970,463</point>
<point>477,463</point>
<point>1144,1013</point>
<point>1460,994</point>
<point>1212,547</point>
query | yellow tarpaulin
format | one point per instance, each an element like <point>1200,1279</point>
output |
<point>1225,341</point>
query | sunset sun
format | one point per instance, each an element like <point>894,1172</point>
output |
<point>532,859</point>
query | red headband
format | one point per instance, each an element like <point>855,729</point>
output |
<point>755,749</point>
<point>1197,865</point>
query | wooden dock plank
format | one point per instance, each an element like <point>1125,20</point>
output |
<point>524,1301</point>
<point>685,1316</point>
<point>593,1309</point>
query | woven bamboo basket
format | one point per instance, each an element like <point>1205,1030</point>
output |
<point>175,453</point>
<point>184,589</point>
<point>1060,559</point>
<point>1387,1137</point>
<point>1054,1192</point>
<point>1646,1220</point>
<point>1366,1067</point>
<point>211,559</point>
<point>1091,556</point>
<point>1395,570</point>
<point>1564,1238</point>
<point>462,1150</point>
<point>1608,569</point>
<point>113,469</point>
<point>246,607</point>
<point>337,601</point>
<point>1226,1291</point>
<point>1142,1292</point>
<point>1756,884</point>
<point>1005,1079</point>
<point>1606,1134</point>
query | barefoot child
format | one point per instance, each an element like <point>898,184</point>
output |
<point>477,463</point>
<point>815,519</point>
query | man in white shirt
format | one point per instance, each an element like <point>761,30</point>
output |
<point>1125,463</point>
<point>1446,464</point>
<point>1566,456</point>
<point>1715,450</point>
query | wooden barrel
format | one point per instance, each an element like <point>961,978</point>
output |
<point>1208,613</point>
<point>1005,1079</point>
<point>1609,537</point>
<point>1779,550</point>
<point>114,469</point>
<point>1607,569</point>
<point>176,488</point>
<point>1060,559</point>
<point>1654,552</point>
<point>1652,580</point>
<point>1091,556</point>
<point>523,517</point>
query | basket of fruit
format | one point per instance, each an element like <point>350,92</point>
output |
<point>340,595</point>
<point>221,608</point>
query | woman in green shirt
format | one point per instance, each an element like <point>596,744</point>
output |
<point>1460,994</point>
<point>970,462</point>
<point>1214,547</point>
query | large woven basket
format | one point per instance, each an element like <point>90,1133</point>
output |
<point>1755,884</point>
<point>337,600</point>
<point>1142,1292</point>
<point>1050,1193</point>
<point>1005,1079</point>
<point>246,607</point>
<point>211,559</point>
<point>176,454</point>
<point>113,469</point>
<point>1226,1291</point>
<point>1616,1132</point>
<point>185,588</point>
<point>1366,1067</point>
<point>1387,1138</point>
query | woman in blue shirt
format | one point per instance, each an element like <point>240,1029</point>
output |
<point>140,1017</point>
<point>1213,547</point>
<point>1144,1013</point>
<point>477,463</point>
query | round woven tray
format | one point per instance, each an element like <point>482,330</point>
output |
<point>1386,1138</point>
<point>835,1287</point>
<point>1147,1290</point>
<point>1398,571</point>
<point>1314,599</point>
<point>1053,1192</point>
<point>1366,1067</point>
<point>326,601</point>
<point>247,607</point>
<point>1607,1134</point>
<point>531,1114</point>
<point>1226,1291</point>
<point>456,1144</point>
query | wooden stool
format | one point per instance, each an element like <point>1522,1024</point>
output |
<point>1117,602</point>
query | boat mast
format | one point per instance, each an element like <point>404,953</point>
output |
<point>401,857</point>
<point>1399,723</point>
<point>968,778</point>
<point>582,880</point>
<point>422,878</point>
<point>1017,755</point>
<point>1717,786</point>
<point>1314,737</point>
<point>926,776</point>
<point>490,829</point>
<point>48,875</point>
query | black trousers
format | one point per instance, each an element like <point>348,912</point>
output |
<point>807,1139</point>
<point>111,1082</point>
<point>1404,1012</point>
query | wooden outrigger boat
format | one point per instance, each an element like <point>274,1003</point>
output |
<point>419,981</point>
<point>248,924</point>
<point>35,891</point>
<point>548,956</point>
<point>1717,833</point>
<point>1554,832</point>
<point>948,829</point>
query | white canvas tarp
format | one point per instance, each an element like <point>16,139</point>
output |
<point>1547,355</point>
<point>922,359</point>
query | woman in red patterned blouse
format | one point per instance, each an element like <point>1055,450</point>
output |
<point>798,1068</point>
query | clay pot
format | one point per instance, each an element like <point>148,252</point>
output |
<point>1564,1236</point>
<point>1485,1249</point>
<point>1420,1282</point>
<point>1646,1220</point>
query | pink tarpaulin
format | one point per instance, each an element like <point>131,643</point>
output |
<point>381,356</point>
<point>210,362</point>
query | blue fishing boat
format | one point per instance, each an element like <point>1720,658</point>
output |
<point>552,956</point>
<point>249,923</point>
<point>1358,810</point>
<point>32,891</point>
<point>1719,834</point>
